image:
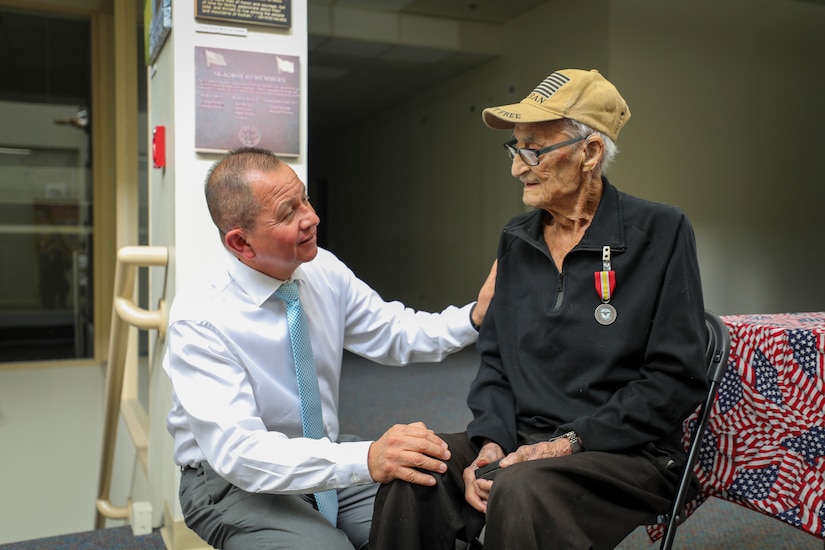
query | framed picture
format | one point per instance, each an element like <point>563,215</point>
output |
<point>157,23</point>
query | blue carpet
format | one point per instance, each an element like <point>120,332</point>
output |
<point>114,538</point>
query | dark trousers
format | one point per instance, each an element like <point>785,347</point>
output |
<point>583,501</point>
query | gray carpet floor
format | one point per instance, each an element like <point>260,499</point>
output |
<point>375,397</point>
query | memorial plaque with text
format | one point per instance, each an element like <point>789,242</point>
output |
<point>246,99</point>
<point>260,12</point>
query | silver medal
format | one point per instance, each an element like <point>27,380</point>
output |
<point>605,314</point>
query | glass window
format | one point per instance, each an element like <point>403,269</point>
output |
<point>45,187</point>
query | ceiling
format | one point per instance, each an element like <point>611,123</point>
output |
<point>365,55</point>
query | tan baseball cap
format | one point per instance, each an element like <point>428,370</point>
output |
<point>584,96</point>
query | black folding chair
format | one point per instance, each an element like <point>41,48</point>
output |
<point>716,356</point>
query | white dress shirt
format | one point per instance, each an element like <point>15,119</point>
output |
<point>235,394</point>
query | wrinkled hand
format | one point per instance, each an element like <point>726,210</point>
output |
<point>485,294</point>
<point>403,451</point>
<point>477,491</point>
<point>545,449</point>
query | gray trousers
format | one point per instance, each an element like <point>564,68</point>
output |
<point>230,518</point>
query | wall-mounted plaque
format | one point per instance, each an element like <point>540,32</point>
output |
<point>247,99</point>
<point>260,12</point>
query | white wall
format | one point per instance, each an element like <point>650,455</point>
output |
<point>726,119</point>
<point>418,193</point>
<point>178,215</point>
<point>187,171</point>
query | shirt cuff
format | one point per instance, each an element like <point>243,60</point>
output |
<point>352,465</point>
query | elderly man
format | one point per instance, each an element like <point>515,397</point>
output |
<point>591,352</point>
<point>254,356</point>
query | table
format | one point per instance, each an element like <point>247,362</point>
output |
<point>765,443</point>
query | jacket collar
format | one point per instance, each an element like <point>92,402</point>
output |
<point>607,227</point>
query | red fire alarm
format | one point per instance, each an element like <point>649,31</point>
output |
<point>159,146</point>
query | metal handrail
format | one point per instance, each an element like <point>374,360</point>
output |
<point>125,313</point>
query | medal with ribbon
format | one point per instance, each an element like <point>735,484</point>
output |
<point>605,286</point>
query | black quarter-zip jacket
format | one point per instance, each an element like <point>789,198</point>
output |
<point>547,366</point>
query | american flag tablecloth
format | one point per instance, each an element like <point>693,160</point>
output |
<point>765,443</point>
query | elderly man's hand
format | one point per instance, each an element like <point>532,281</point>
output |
<point>545,449</point>
<point>477,491</point>
<point>403,451</point>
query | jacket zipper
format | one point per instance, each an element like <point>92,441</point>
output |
<point>559,292</point>
<point>578,248</point>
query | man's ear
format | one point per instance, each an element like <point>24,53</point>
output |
<point>592,154</point>
<point>236,242</point>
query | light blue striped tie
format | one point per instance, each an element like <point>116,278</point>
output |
<point>312,417</point>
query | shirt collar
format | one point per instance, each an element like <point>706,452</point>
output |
<point>258,286</point>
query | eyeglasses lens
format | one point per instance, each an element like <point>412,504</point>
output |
<point>527,155</point>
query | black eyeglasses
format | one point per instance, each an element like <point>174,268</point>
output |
<point>531,156</point>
